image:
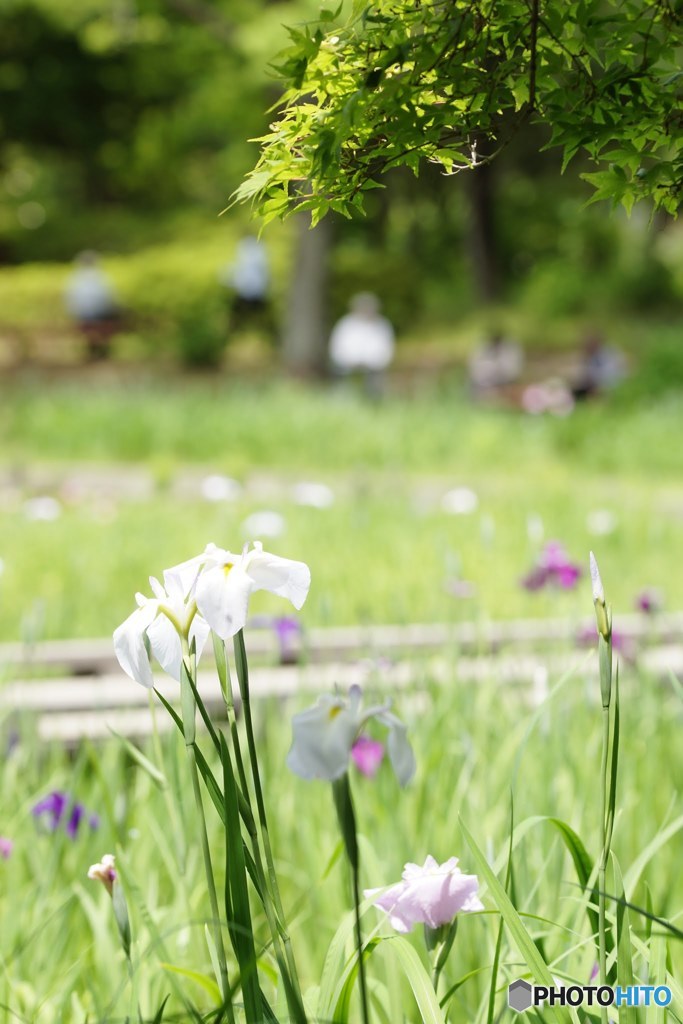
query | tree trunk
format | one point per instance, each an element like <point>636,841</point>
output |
<point>304,340</point>
<point>483,232</point>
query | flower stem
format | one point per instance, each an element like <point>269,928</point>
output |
<point>343,802</point>
<point>359,946</point>
<point>243,679</point>
<point>247,815</point>
<point>604,854</point>
<point>189,708</point>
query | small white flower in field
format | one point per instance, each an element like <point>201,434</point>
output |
<point>461,501</point>
<point>44,509</point>
<point>157,622</point>
<point>324,737</point>
<point>264,524</point>
<point>431,895</point>
<point>598,592</point>
<point>104,872</point>
<point>222,583</point>
<point>601,522</point>
<point>216,487</point>
<point>313,494</point>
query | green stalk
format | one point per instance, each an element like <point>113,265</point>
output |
<point>248,817</point>
<point>603,615</point>
<point>171,807</point>
<point>602,945</point>
<point>343,802</point>
<point>359,946</point>
<point>274,889</point>
<point>189,710</point>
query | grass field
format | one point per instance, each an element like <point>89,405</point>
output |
<point>474,747</point>
<point>125,458</point>
<point>126,461</point>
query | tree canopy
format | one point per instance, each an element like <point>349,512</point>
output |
<point>453,81</point>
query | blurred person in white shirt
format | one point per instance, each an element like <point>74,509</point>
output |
<point>363,342</point>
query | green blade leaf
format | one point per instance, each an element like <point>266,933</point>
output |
<point>203,980</point>
<point>520,936</point>
<point>419,981</point>
<point>627,1014</point>
<point>237,893</point>
<point>147,766</point>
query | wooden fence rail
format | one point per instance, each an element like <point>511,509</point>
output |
<point>96,657</point>
<point>71,709</point>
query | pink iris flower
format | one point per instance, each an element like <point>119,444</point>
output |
<point>431,895</point>
<point>367,755</point>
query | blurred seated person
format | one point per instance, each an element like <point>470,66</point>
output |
<point>90,300</point>
<point>602,367</point>
<point>248,280</point>
<point>494,366</point>
<point>363,342</point>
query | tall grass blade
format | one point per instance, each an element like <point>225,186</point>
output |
<point>633,874</point>
<point>136,754</point>
<point>499,938</point>
<point>625,976</point>
<point>419,981</point>
<point>520,936</point>
<point>237,907</point>
<point>583,865</point>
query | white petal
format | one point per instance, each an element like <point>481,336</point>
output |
<point>166,646</point>
<point>322,741</point>
<point>129,644</point>
<point>398,746</point>
<point>598,592</point>
<point>157,589</point>
<point>280,576</point>
<point>180,579</point>
<point>223,599</point>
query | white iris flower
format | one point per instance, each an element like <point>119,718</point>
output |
<point>156,625</point>
<point>222,583</point>
<point>324,735</point>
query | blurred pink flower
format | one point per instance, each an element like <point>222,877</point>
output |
<point>431,895</point>
<point>554,568</point>
<point>6,847</point>
<point>367,755</point>
<point>649,601</point>
<point>626,646</point>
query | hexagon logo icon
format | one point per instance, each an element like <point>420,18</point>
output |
<point>519,996</point>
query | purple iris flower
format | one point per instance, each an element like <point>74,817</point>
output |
<point>57,808</point>
<point>567,575</point>
<point>554,567</point>
<point>649,601</point>
<point>554,556</point>
<point>536,579</point>
<point>288,633</point>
